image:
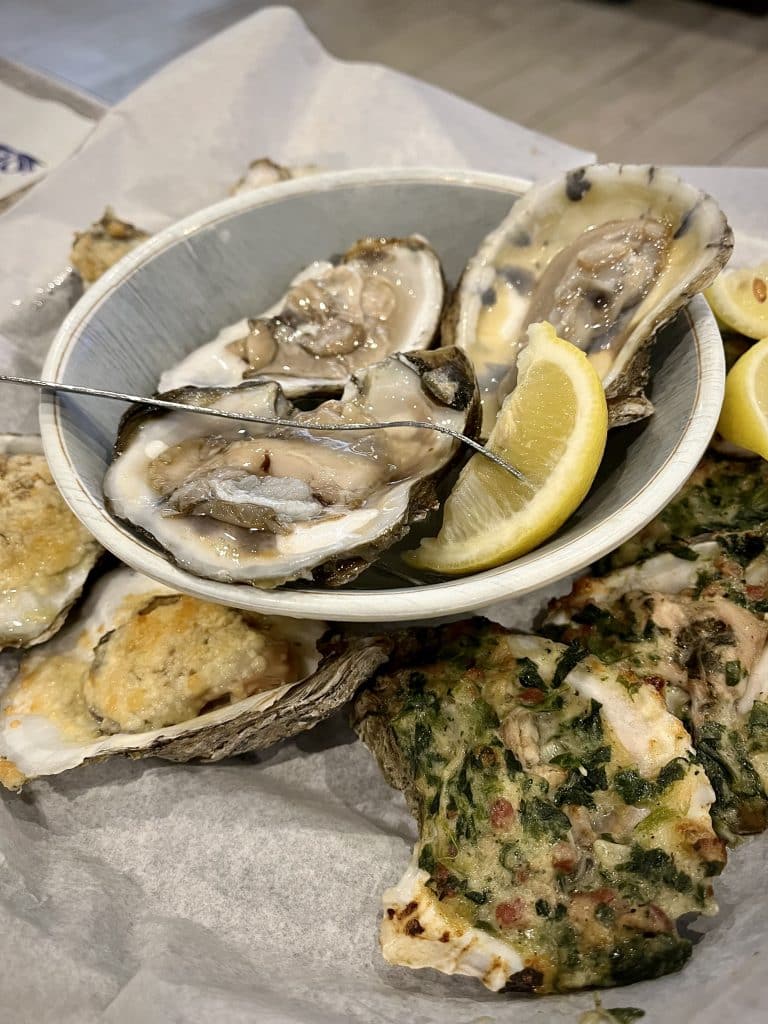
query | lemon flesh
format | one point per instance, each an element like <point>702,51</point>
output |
<point>744,416</point>
<point>739,300</point>
<point>553,428</point>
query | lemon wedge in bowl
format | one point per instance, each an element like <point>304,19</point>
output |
<point>739,300</point>
<point>553,428</point>
<point>744,416</point>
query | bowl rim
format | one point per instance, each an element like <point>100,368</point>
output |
<point>426,601</point>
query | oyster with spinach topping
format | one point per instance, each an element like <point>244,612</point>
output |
<point>533,871</point>
<point>692,623</point>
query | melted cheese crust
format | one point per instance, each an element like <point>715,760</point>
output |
<point>177,655</point>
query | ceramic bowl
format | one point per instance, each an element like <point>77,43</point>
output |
<point>234,259</point>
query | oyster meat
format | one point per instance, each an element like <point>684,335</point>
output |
<point>381,296</point>
<point>45,552</point>
<point>240,502</point>
<point>145,671</point>
<point>534,869</point>
<point>264,172</point>
<point>104,243</point>
<point>607,255</point>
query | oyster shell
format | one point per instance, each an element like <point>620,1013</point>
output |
<point>45,552</point>
<point>607,255</point>
<point>248,503</point>
<point>381,296</point>
<point>144,671</point>
<point>264,172</point>
<point>104,243</point>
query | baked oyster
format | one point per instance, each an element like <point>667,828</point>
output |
<point>606,254</point>
<point>46,554</point>
<point>240,502</point>
<point>383,295</point>
<point>264,172</point>
<point>144,671</point>
<point>533,872</point>
<point>104,243</point>
<point>691,622</point>
<point>721,494</point>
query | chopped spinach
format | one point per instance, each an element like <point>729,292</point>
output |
<point>528,676</point>
<point>657,866</point>
<point>541,819</point>
<point>427,858</point>
<point>569,659</point>
<point>589,722</point>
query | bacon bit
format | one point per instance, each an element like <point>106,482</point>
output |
<point>648,919</point>
<point>487,757</point>
<point>755,593</point>
<point>530,695</point>
<point>601,895</point>
<point>710,849</point>
<point>443,885</point>
<point>522,875</point>
<point>474,674</point>
<point>564,858</point>
<point>502,813</point>
<point>413,928</point>
<point>657,682</point>
<point>727,567</point>
<point>445,937</point>
<point>511,915</point>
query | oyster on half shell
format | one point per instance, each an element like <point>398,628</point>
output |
<point>45,552</point>
<point>144,671</point>
<point>243,502</point>
<point>383,295</point>
<point>606,254</point>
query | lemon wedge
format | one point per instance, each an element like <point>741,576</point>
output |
<point>739,300</point>
<point>553,428</point>
<point>744,416</point>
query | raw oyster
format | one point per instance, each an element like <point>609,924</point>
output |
<point>145,671</point>
<point>45,552</point>
<point>382,296</point>
<point>264,171</point>
<point>607,255</point>
<point>533,871</point>
<point>247,503</point>
<point>104,243</point>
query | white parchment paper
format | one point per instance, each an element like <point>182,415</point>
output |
<point>250,890</point>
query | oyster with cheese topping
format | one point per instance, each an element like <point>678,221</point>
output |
<point>145,671</point>
<point>105,242</point>
<point>46,554</point>
<point>243,502</point>
<point>607,255</point>
<point>383,295</point>
<point>535,870</point>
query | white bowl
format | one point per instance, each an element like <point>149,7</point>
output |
<point>234,259</point>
